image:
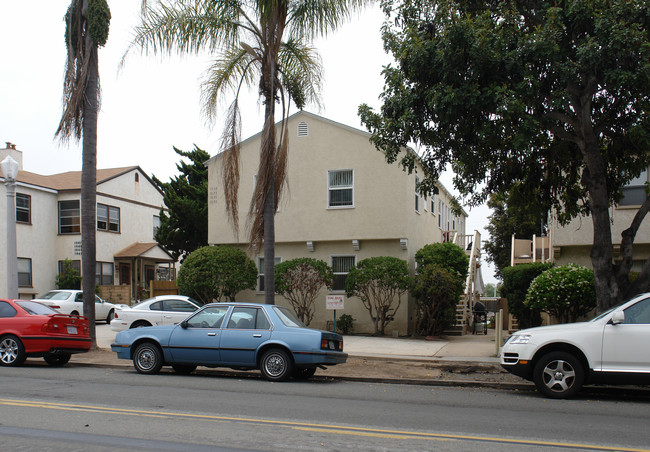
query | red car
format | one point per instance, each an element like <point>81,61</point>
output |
<point>28,328</point>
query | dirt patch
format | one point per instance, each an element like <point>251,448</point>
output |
<point>402,369</point>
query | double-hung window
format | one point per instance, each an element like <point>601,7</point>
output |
<point>24,272</point>
<point>23,208</point>
<point>341,266</point>
<point>69,217</point>
<point>340,188</point>
<point>108,218</point>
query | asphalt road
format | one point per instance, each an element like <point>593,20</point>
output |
<point>85,408</point>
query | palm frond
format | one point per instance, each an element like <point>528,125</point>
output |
<point>187,26</point>
<point>309,19</point>
<point>302,70</point>
<point>230,147</point>
<point>235,68</point>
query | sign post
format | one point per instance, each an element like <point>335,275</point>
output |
<point>334,302</point>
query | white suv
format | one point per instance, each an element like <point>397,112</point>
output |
<point>613,348</point>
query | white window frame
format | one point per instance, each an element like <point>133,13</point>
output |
<point>330,189</point>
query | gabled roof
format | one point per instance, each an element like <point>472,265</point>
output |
<point>71,180</point>
<point>299,113</point>
<point>139,249</point>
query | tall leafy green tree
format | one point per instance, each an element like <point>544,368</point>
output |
<point>551,94</point>
<point>186,200</point>
<point>87,23</point>
<point>262,44</point>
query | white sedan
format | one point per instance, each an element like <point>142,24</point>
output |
<point>71,302</point>
<point>160,310</point>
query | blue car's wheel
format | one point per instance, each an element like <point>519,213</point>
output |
<point>147,358</point>
<point>276,365</point>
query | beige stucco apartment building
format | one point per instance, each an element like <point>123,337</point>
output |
<point>343,203</point>
<point>48,228</point>
<point>571,243</point>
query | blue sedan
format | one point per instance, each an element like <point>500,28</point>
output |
<point>236,335</point>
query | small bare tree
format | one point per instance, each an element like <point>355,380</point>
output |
<point>299,281</point>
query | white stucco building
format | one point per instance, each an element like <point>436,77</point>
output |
<point>48,228</point>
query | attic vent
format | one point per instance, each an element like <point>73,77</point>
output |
<point>303,129</point>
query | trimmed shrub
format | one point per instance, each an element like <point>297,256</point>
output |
<point>566,292</point>
<point>447,255</point>
<point>516,281</point>
<point>437,291</point>
<point>216,273</point>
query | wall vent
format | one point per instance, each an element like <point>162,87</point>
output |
<point>303,129</point>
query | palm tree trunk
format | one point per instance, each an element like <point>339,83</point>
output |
<point>269,209</point>
<point>89,193</point>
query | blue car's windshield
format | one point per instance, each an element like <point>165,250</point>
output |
<point>288,317</point>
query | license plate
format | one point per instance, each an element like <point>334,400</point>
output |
<point>72,330</point>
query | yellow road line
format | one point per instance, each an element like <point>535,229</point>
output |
<point>325,428</point>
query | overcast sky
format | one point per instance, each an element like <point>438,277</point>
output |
<point>153,102</point>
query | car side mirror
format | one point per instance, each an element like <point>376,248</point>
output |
<point>618,317</point>
<point>183,324</point>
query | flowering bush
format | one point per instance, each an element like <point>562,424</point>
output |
<point>566,292</point>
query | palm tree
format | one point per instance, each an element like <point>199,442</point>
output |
<point>259,42</point>
<point>87,23</point>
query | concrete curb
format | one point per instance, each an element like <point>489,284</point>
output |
<point>464,367</point>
